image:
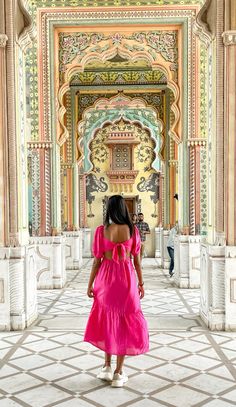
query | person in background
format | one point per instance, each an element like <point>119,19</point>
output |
<point>134,218</point>
<point>144,230</point>
<point>171,246</point>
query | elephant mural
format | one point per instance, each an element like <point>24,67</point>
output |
<point>93,184</point>
<point>151,184</point>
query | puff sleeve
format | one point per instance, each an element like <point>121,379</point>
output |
<point>136,242</point>
<point>97,248</point>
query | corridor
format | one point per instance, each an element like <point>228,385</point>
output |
<point>50,365</point>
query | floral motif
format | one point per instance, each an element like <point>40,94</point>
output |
<point>116,38</point>
<point>118,77</point>
<point>75,45</point>
<point>163,42</point>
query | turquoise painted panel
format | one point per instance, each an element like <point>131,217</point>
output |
<point>96,119</point>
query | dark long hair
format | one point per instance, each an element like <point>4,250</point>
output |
<point>118,213</point>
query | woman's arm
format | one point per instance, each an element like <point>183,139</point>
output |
<point>95,268</point>
<point>137,265</point>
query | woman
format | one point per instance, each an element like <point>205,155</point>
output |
<point>116,323</point>
<point>134,218</point>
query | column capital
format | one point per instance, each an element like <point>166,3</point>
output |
<point>229,37</point>
<point>174,163</point>
<point>3,40</point>
<point>201,26</point>
<point>28,33</point>
<point>192,142</point>
<point>33,145</point>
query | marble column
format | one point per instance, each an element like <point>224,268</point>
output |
<point>229,39</point>
<point>3,145</point>
<point>158,248</point>
<point>87,242</point>
<point>165,259</point>
<point>212,302</point>
<point>181,268</point>
<point>18,303</point>
<point>18,296</point>
<point>4,289</point>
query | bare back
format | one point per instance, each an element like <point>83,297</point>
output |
<point>117,234</point>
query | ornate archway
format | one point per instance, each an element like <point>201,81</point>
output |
<point>110,110</point>
<point>131,50</point>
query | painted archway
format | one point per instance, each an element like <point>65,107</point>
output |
<point>110,110</point>
<point>129,49</point>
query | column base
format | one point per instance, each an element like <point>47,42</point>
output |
<point>187,261</point>
<point>181,262</point>
<point>215,320</point>
<point>18,292</point>
<point>212,303</point>
<point>158,243</point>
<point>230,288</point>
<point>50,261</point>
<point>73,245</point>
<point>165,259</point>
<point>87,253</point>
<point>17,322</point>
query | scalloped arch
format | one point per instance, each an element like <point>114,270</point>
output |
<point>104,56</point>
<point>107,111</point>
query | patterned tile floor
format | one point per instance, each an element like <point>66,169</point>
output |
<point>50,365</point>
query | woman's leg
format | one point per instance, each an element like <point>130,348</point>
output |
<point>119,364</point>
<point>107,359</point>
<point>142,250</point>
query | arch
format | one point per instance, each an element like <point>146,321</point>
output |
<point>107,111</point>
<point>132,54</point>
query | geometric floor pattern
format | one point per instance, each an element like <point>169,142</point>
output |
<point>49,364</point>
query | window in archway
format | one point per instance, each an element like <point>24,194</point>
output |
<point>122,174</point>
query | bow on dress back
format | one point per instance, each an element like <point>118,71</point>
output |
<point>115,251</point>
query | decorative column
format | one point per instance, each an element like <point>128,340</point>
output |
<point>4,289</point>
<point>220,131</point>
<point>173,164</point>
<point>195,145</point>
<point>209,27</point>
<point>82,202</point>
<point>3,145</point>
<point>192,190</point>
<point>18,306</point>
<point>11,123</point>
<point>158,248</point>
<point>161,203</point>
<point>39,163</point>
<point>75,196</point>
<point>229,38</point>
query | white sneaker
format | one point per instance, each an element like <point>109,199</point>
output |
<point>105,374</point>
<point>119,380</point>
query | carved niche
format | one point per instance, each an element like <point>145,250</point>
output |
<point>121,159</point>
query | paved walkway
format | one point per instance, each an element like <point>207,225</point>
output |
<point>50,365</point>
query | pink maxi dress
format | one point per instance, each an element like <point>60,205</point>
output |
<point>116,323</point>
